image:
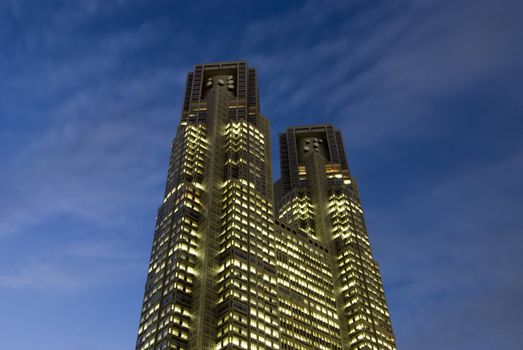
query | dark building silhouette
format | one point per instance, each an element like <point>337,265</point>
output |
<point>229,269</point>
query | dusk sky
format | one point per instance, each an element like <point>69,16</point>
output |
<point>428,94</point>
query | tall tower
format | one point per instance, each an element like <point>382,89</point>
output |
<point>226,271</point>
<point>212,279</point>
<point>317,195</point>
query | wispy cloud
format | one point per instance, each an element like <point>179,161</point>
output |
<point>377,71</point>
<point>75,267</point>
<point>452,266</point>
<point>94,155</point>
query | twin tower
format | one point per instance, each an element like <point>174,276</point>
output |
<point>240,263</point>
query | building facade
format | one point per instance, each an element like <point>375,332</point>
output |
<point>233,267</point>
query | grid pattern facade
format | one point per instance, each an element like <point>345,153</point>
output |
<point>227,269</point>
<point>307,303</point>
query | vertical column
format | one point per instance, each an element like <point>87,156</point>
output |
<point>318,187</point>
<point>204,324</point>
<point>364,304</point>
<point>165,315</point>
<point>247,305</point>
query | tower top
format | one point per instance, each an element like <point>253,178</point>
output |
<point>244,88</point>
<point>298,141</point>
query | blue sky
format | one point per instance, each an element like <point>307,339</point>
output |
<point>429,96</point>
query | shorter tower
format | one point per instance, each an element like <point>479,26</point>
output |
<point>318,196</point>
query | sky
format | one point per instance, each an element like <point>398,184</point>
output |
<point>428,95</point>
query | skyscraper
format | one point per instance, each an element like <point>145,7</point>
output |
<point>318,196</point>
<point>229,269</point>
